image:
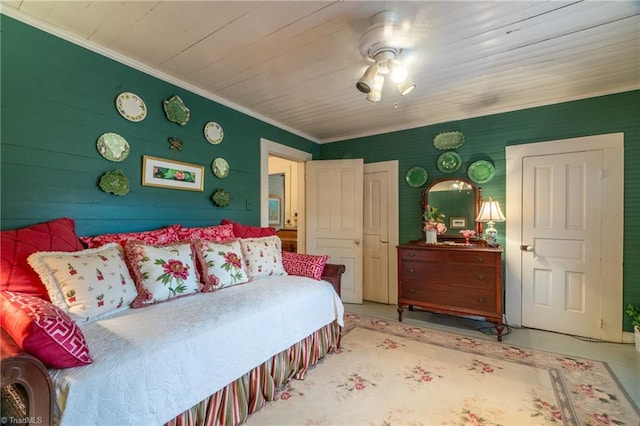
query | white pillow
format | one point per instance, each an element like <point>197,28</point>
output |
<point>222,263</point>
<point>162,272</point>
<point>262,256</point>
<point>86,284</point>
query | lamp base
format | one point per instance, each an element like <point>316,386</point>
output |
<point>491,235</point>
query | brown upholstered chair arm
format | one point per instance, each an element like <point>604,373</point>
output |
<point>20,368</point>
<point>333,274</point>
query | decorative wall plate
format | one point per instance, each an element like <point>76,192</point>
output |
<point>448,140</point>
<point>213,132</point>
<point>220,167</point>
<point>115,182</point>
<point>221,198</point>
<point>416,177</point>
<point>481,171</point>
<point>131,106</point>
<point>449,162</point>
<point>176,110</point>
<point>113,147</point>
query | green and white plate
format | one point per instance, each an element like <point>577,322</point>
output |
<point>131,106</point>
<point>449,162</point>
<point>481,171</point>
<point>115,182</point>
<point>221,198</point>
<point>113,147</point>
<point>448,140</point>
<point>220,168</point>
<point>416,177</point>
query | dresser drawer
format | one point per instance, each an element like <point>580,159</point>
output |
<point>445,256</point>
<point>452,297</point>
<point>429,274</point>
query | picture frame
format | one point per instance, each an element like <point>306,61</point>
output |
<point>458,222</point>
<point>275,211</point>
<point>172,174</point>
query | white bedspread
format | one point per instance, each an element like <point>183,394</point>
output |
<point>151,364</point>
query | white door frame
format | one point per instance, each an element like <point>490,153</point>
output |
<point>267,148</point>
<point>391,167</point>
<point>612,146</point>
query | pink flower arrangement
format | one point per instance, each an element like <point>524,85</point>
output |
<point>434,221</point>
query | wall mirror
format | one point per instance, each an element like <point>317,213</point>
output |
<point>459,200</point>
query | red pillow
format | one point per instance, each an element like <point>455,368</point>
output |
<point>43,330</point>
<point>160,237</point>
<point>18,244</point>
<point>247,231</point>
<point>209,233</point>
<point>304,265</point>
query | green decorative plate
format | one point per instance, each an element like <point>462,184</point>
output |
<point>449,162</point>
<point>416,177</point>
<point>176,110</point>
<point>448,140</point>
<point>115,182</point>
<point>113,147</point>
<point>220,167</point>
<point>221,198</point>
<point>481,171</point>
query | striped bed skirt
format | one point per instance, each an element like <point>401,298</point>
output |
<point>232,404</point>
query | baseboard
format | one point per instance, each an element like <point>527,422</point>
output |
<point>628,337</point>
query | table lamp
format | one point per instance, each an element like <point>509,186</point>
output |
<point>490,213</point>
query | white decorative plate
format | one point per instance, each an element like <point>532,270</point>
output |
<point>213,132</point>
<point>131,106</point>
<point>220,167</point>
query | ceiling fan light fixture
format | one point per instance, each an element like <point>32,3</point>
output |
<point>406,87</point>
<point>367,81</point>
<point>399,73</point>
<point>376,94</point>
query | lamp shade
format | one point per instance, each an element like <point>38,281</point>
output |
<point>490,212</point>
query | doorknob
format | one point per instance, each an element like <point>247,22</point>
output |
<point>525,247</point>
<point>357,242</point>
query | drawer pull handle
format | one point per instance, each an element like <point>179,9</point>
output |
<point>482,299</point>
<point>412,291</point>
<point>411,254</point>
<point>481,277</point>
<point>411,271</point>
<point>480,259</point>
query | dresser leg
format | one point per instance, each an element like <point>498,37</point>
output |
<point>400,313</point>
<point>499,329</point>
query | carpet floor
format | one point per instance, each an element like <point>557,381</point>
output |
<point>390,373</point>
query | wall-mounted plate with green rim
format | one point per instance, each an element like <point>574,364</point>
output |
<point>416,176</point>
<point>449,162</point>
<point>113,147</point>
<point>115,182</point>
<point>176,110</point>
<point>220,167</point>
<point>448,140</point>
<point>221,198</point>
<point>481,171</point>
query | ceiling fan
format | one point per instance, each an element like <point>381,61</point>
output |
<point>382,44</point>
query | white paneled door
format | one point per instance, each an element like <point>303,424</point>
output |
<point>376,237</point>
<point>334,218</point>
<point>562,284</point>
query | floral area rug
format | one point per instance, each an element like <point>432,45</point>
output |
<point>391,373</point>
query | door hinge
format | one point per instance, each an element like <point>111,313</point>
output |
<point>601,174</point>
<point>600,323</point>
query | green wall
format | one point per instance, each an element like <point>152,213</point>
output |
<point>58,98</point>
<point>486,139</point>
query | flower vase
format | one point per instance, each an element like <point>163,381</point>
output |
<point>432,236</point>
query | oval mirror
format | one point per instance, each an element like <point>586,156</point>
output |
<point>458,199</point>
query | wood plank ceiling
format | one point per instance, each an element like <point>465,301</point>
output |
<point>295,64</point>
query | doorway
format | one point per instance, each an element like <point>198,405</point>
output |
<point>539,280</point>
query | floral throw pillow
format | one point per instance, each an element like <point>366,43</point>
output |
<point>262,256</point>
<point>162,272</point>
<point>211,233</point>
<point>86,284</point>
<point>222,263</point>
<point>304,265</point>
<point>157,236</point>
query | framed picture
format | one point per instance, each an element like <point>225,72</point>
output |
<point>458,222</point>
<point>172,174</point>
<point>275,211</point>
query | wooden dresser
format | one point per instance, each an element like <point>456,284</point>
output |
<point>289,238</point>
<point>452,279</point>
